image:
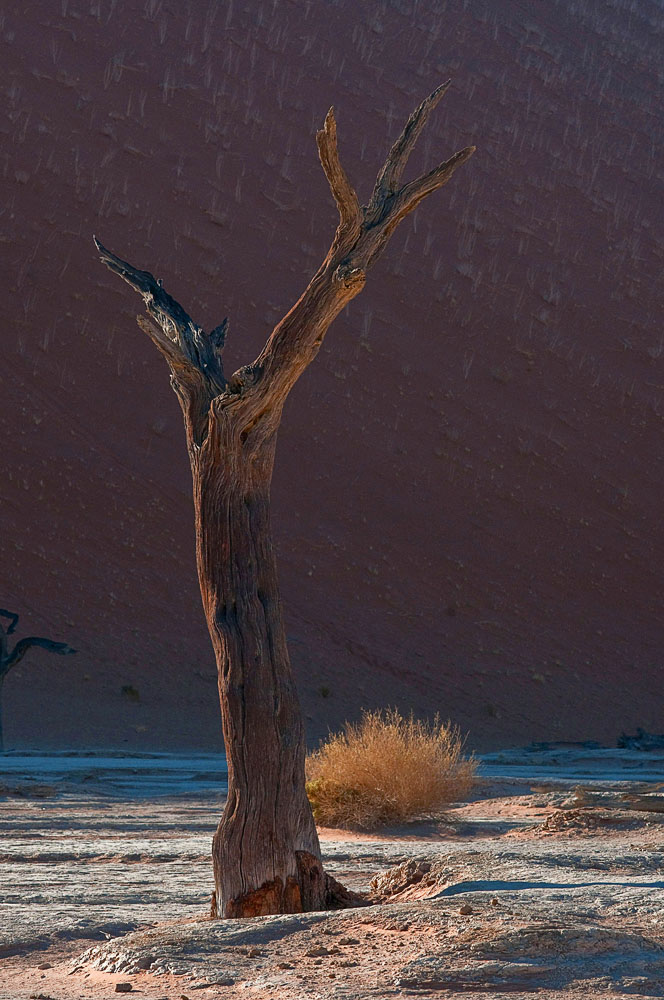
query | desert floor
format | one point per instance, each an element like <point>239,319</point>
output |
<point>549,882</point>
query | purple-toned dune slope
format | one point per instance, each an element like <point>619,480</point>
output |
<point>468,492</point>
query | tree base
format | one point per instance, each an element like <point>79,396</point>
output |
<point>312,890</point>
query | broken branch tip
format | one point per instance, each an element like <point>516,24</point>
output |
<point>439,92</point>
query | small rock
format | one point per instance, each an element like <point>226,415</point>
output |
<point>123,987</point>
<point>253,953</point>
<point>349,940</point>
<point>226,981</point>
<point>285,965</point>
<point>316,952</point>
<point>400,878</point>
<point>45,965</point>
<point>465,909</point>
<point>493,901</point>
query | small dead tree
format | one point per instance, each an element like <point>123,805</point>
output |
<point>266,853</point>
<point>9,659</point>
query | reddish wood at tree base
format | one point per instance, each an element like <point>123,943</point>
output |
<point>266,853</point>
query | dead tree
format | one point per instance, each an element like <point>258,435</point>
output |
<point>266,853</point>
<point>10,659</point>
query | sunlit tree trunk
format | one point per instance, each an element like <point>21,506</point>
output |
<point>265,851</point>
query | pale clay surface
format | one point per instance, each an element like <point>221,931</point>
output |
<point>112,885</point>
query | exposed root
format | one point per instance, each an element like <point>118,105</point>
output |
<point>338,897</point>
<point>312,890</point>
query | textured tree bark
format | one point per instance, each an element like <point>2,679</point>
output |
<point>267,820</point>
<point>266,853</point>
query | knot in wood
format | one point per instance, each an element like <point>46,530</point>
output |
<point>350,276</point>
<point>243,378</point>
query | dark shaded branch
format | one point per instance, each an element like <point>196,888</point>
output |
<point>186,344</point>
<point>9,614</point>
<point>218,335</point>
<point>169,314</point>
<point>23,645</point>
<point>347,201</point>
<point>389,177</point>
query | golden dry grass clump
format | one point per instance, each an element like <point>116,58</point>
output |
<point>387,769</point>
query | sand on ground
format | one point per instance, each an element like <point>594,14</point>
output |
<point>549,885</point>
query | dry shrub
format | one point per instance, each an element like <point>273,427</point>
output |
<point>387,769</point>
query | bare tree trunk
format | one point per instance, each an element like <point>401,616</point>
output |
<point>266,853</point>
<point>267,823</point>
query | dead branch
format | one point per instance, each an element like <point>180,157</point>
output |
<point>23,645</point>
<point>389,177</point>
<point>362,235</point>
<point>344,194</point>
<point>14,621</point>
<point>183,342</point>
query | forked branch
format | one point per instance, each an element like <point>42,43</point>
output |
<point>389,176</point>
<point>361,237</point>
<point>362,234</point>
<point>184,344</point>
<point>390,202</point>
